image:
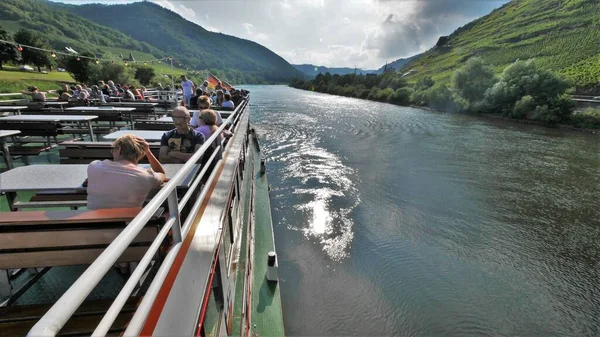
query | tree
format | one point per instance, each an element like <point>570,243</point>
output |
<point>144,74</point>
<point>8,51</point>
<point>521,85</point>
<point>473,79</point>
<point>112,71</point>
<point>80,67</point>
<point>32,38</point>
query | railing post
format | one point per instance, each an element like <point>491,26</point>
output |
<point>174,213</point>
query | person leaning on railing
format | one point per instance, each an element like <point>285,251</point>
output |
<point>120,182</point>
<point>36,95</point>
<point>178,145</point>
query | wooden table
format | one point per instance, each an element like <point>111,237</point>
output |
<point>5,151</point>
<point>148,135</point>
<point>61,178</point>
<point>14,109</point>
<point>105,108</point>
<point>54,118</point>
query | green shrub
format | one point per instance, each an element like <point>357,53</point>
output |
<point>472,80</point>
<point>588,118</point>
<point>526,105</point>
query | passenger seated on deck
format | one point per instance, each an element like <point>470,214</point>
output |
<point>127,93</point>
<point>121,182</point>
<point>97,94</point>
<point>208,126</point>
<point>204,103</point>
<point>194,99</point>
<point>179,144</point>
<point>220,98</point>
<point>227,103</point>
<point>36,95</point>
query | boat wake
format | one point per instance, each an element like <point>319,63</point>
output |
<point>314,182</point>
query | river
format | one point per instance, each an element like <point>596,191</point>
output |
<point>392,220</point>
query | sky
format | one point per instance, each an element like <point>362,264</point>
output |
<point>333,33</point>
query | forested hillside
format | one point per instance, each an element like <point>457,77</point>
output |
<point>563,36</point>
<point>63,29</point>
<point>148,31</point>
<point>193,45</point>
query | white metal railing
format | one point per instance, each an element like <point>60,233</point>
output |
<point>58,315</point>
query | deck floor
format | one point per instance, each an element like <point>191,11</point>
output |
<point>267,315</point>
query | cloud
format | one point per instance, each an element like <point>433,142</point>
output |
<point>362,33</point>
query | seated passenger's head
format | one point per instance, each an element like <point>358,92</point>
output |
<point>227,97</point>
<point>198,92</point>
<point>128,147</point>
<point>181,118</point>
<point>219,93</point>
<point>208,117</point>
<point>203,102</point>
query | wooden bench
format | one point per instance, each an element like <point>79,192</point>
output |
<point>70,199</point>
<point>63,238</point>
<point>43,129</point>
<point>79,152</point>
<point>149,124</point>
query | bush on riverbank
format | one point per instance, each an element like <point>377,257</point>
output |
<point>587,119</point>
<point>522,91</point>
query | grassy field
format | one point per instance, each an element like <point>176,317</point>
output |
<point>13,80</point>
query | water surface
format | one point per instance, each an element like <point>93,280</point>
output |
<point>398,221</point>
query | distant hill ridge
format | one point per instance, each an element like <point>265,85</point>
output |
<point>149,31</point>
<point>313,70</point>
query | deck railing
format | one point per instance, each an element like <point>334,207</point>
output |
<point>58,315</point>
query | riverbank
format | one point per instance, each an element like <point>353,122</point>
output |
<point>521,121</point>
<point>566,127</point>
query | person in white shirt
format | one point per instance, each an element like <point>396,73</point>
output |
<point>121,183</point>
<point>188,88</point>
<point>227,102</point>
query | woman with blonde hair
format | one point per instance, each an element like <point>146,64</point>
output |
<point>121,182</point>
<point>208,126</point>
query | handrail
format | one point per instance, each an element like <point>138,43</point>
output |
<point>58,315</point>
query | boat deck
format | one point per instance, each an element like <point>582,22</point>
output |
<point>266,315</point>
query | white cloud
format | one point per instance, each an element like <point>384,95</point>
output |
<point>362,33</point>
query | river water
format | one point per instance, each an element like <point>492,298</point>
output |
<point>398,221</point>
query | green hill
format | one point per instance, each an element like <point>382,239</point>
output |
<point>191,44</point>
<point>148,31</point>
<point>63,29</point>
<point>563,36</point>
